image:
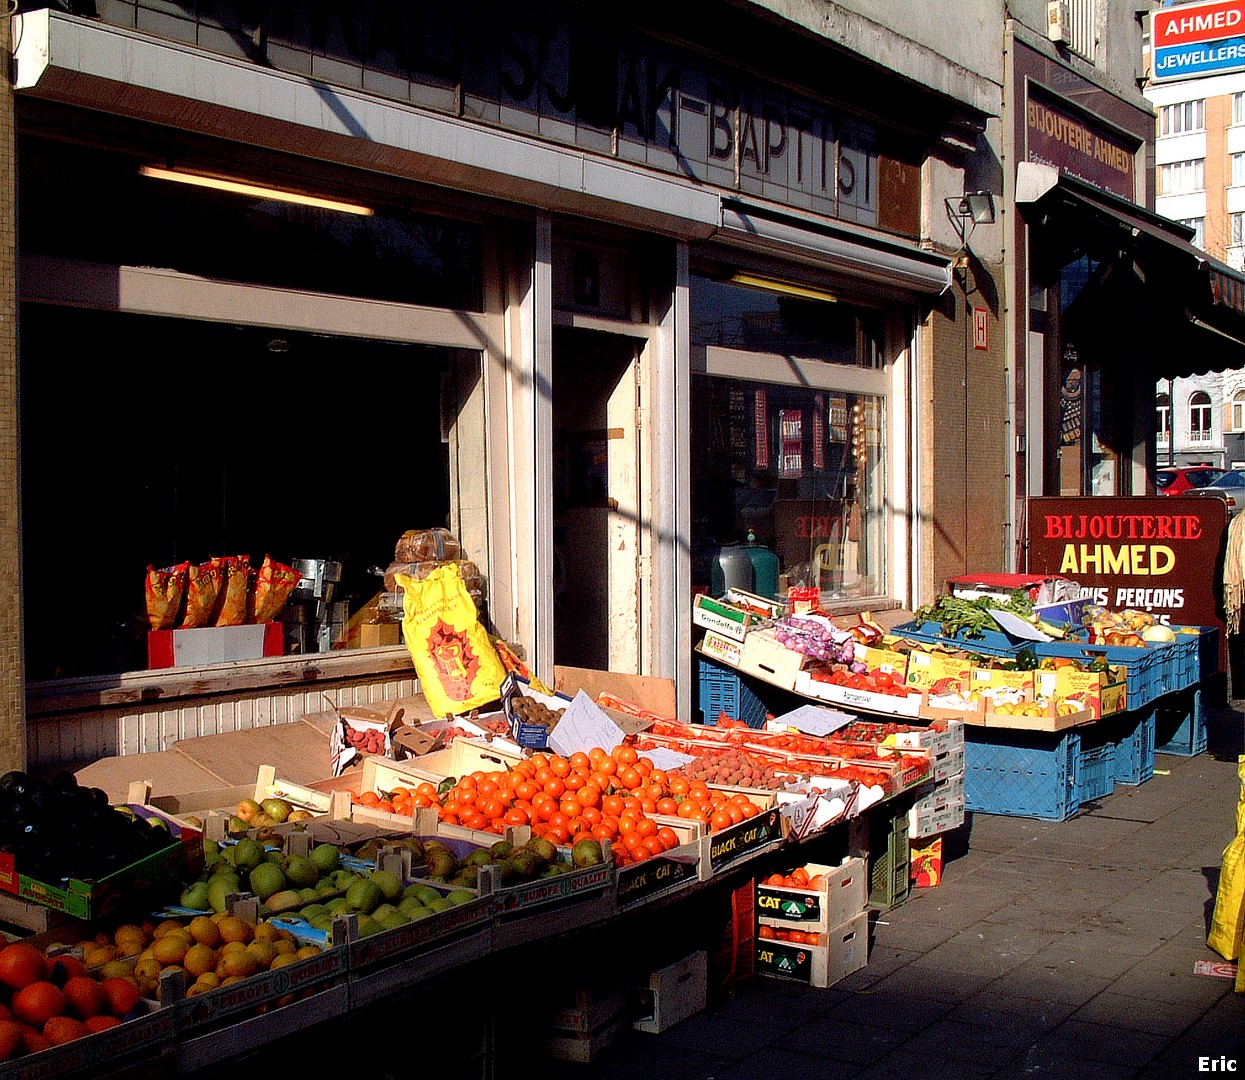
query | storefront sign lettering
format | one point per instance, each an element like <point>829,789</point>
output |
<point>532,70</point>
<point>1158,554</point>
<point>1207,39</point>
<point>1079,147</point>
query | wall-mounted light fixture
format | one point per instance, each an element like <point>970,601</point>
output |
<point>782,288</point>
<point>259,191</point>
<point>971,209</point>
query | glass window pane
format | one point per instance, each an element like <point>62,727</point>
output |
<point>757,320</point>
<point>123,218</point>
<point>207,439</point>
<point>799,469</point>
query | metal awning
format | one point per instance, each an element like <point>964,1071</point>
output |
<point>1202,298</point>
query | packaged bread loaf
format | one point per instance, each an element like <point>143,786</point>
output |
<point>467,570</point>
<point>425,545</point>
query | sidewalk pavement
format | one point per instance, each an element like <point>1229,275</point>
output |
<point>1051,949</point>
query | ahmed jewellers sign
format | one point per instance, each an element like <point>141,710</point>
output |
<point>1198,39</point>
<point>548,72</point>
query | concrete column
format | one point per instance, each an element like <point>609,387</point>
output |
<point>12,681</point>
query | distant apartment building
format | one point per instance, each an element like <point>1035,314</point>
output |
<point>1200,183</point>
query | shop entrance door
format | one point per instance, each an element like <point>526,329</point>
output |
<point>597,527</point>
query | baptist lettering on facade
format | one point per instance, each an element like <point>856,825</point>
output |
<point>1219,1064</point>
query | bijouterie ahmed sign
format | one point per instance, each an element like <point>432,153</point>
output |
<point>1079,147</point>
<point>1162,554</point>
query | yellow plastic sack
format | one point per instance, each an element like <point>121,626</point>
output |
<point>458,668</point>
<point>1227,925</point>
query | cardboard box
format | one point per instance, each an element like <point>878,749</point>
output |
<point>583,1046</point>
<point>925,864</point>
<point>178,860</point>
<point>843,895</point>
<point>938,672</point>
<point>674,993</point>
<point>723,649</point>
<point>214,645</point>
<point>377,635</point>
<point>1103,692</point>
<point>844,949</point>
<point>768,659</point>
<point>650,693</point>
<point>731,620</point>
<point>938,812</point>
<point>883,660</point>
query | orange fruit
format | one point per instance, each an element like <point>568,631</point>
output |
<point>33,1040</point>
<point>10,1039</point>
<point>204,931</point>
<point>99,1023</point>
<point>232,928</point>
<point>66,966</point>
<point>198,959</point>
<point>22,964</point>
<point>170,949</point>
<point>122,995</point>
<point>84,997</point>
<point>38,1002</point>
<point>62,1029</point>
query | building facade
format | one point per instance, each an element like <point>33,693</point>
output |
<point>629,305</point>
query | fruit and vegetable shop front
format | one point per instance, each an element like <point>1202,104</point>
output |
<point>600,348</point>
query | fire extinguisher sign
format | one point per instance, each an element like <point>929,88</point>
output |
<point>981,328</point>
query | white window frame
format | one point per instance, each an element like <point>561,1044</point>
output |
<point>1163,419</point>
<point>1238,107</point>
<point>1198,225</point>
<point>1183,177</point>
<point>1183,117</point>
<point>1236,411</point>
<point>1201,417</point>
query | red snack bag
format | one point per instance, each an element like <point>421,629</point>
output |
<point>165,589</point>
<point>231,603</point>
<point>203,584</point>
<point>273,585</point>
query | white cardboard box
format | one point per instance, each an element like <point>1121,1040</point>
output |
<point>676,992</point>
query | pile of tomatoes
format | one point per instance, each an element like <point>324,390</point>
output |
<point>794,937</point>
<point>879,681</point>
<point>799,878</point>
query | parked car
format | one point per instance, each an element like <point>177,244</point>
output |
<point>1229,486</point>
<point>1178,480</point>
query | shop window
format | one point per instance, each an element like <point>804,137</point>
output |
<point>393,254</point>
<point>1200,417</point>
<point>773,321</point>
<point>1163,419</point>
<point>186,440</point>
<point>1183,177</point>
<point>1184,116</point>
<point>796,464</point>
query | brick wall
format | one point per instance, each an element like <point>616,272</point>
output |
<point>12,690</point>
<point>965,458</point>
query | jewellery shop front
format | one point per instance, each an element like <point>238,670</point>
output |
<point>600,304</point>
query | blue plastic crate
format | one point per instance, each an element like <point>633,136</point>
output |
<point>990,643</point>
<point>1205,651</point>
<point>1147,671</point>
<point>1180,725</point>
<point>1022,773</point>
<point>1133,735</point>
<point>1096,773</point>
<point>723,690</point>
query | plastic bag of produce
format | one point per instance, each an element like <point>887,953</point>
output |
<point>458,668</point>
<point>165,590</point>
<point>231,601</point>
<point>1227,924</point>
<point>202,588</point>
<point>269,589</point>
